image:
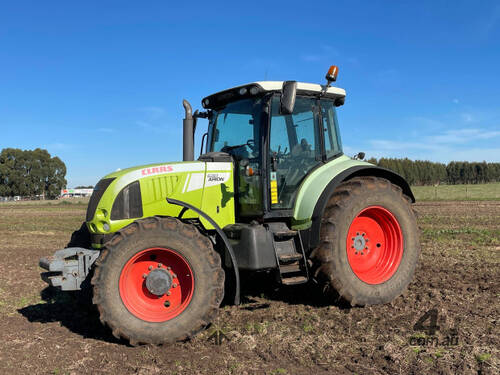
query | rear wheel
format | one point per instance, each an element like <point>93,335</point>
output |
<point>159,280</point>
<point>369,244</point>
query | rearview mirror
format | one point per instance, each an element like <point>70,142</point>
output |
<point>288,95</point>
<point>359,156</point>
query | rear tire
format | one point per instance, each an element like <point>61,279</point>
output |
<point>125,303</point>
<point>369,244</point>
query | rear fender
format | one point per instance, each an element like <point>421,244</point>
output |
<point>356,171</point>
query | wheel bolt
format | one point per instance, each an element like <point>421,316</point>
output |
<point>169,268</point>
<point>356,252</point>
<point>352,238</point>
<point>357,233</point>
<point>174,276</point>
<point>144,275</point>
<point>174,285</point>
<point>167,303</point>
<point>169,293</point>
<point>363,234</point>
<point>160,265</point>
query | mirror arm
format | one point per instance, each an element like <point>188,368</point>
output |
<point>202,142</point>
<point>200,114</point>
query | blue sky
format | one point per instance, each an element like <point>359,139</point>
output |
<point>100,83</point>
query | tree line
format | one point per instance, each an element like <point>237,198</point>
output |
<point>31,173</point>
<point>420,172</point>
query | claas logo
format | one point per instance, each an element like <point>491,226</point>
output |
<point>156,170</point>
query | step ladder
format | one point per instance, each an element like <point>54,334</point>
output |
<point>290,255</point>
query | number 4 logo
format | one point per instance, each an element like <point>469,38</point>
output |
<point>432,316</point>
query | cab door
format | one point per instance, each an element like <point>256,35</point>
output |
<point>295,148</point>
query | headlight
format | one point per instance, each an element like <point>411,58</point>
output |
<point>128,203</point>
<point>99,190</point>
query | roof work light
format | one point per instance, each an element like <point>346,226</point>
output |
<point>331,76</point>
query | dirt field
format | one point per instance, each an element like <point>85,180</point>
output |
<point>292,331</point>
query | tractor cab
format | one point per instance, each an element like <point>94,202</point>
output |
<point>276,133</point>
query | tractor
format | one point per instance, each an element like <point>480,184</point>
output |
<point>272,191</point>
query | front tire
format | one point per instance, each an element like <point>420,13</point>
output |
<point>369,245</point>
<point>158,281</point>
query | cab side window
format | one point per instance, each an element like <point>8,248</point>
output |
<point>333,144</point>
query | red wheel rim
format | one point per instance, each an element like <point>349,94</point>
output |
<point>374,245</point>
<point>140,301</point>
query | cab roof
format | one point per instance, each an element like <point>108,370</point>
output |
<point>219,99</point>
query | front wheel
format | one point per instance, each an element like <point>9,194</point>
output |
<point>158,281</point>
<point>369,245</point>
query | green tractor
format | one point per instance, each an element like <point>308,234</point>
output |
<point>271,192</point>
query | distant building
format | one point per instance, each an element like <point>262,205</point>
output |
<point>73,193</point>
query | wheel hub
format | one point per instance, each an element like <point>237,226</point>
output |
<point>156,284</point>
<point>359,242</point>
<point>159,281</point>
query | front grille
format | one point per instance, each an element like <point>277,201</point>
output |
<point>99,190</point>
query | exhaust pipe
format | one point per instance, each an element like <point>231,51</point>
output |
<point>188,133</point>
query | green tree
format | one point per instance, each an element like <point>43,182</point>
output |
<point>31,173</point>
<point>55,180</point>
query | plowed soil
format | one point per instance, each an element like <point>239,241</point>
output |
<point>290,330</point>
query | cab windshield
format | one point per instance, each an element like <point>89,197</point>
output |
<point>235,129</point>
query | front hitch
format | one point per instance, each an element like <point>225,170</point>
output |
<point>68,268</point>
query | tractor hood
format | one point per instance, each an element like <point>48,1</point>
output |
<point>126,195</point>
